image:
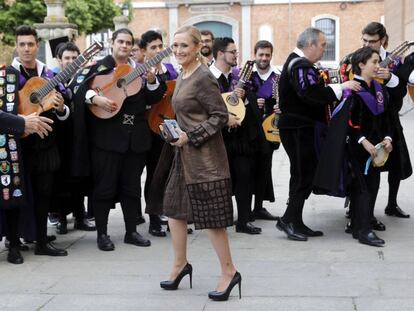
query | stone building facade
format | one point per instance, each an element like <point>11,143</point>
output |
<point>247,21</point>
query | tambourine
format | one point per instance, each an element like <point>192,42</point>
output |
<point>382,156</point>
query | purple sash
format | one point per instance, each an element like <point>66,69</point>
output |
<point>374,104</point>
<point>265,88</point>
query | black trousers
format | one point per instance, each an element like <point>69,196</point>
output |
<point>42,184</point>
<point>263,177</point>
<point>153,157</point>
<point>242,174</point>
<point>116,177</point>
<point>363,193</point>
<point>300,148</point>
<point>12,223</point>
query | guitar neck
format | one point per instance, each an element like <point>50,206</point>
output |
<point>62,76</point>
<point>147,65</point>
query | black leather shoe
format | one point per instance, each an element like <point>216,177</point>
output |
<point>51,238</point>
<point>157,231</point>
<point>136,239</point>
<point>290,230</point>
<point>84,225</point>
<point>308,231</point>
<point>104,243</point>
<point>140,220</point>
<point>371,239</point>
<point>224,295</point>
<point>396,211</point>
<point>62,227</point>
<point>377,225</point>
<point>173,285</point>
<point>248,228</point>
<point>49,250</point>
<point>14,256</point>
<point>264,214</point>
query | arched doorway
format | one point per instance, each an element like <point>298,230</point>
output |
<point>219,29</point>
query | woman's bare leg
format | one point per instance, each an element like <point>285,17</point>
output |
<point>220,241</point>
<point>178,230</point>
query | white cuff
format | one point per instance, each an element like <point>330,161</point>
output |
<point>361,139</point>
<point>393,81</point>
<point>411,77</point>
<point>65,116</point>
<point>337,90</point>
<point>88,96</point>
<point>389,138</point>
<point>154,86</point>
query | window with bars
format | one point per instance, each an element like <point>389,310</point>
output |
<point>328,26</point>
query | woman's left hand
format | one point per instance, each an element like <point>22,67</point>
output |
<point>182,140</point>
<point>387,145</point>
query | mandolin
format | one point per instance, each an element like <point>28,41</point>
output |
<point>162,110</point>
<point>36,93</point>
<point>270,123</point>
<point>235,105</point>
<point>122,82</point>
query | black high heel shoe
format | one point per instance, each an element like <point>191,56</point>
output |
<point>224,295</point>
<point>173,285</point>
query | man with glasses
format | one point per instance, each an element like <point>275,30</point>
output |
<point>137,54</point>
<point>207,39</point>
<point>241,140</point>
<point>398,165</point>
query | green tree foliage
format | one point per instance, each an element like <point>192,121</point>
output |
<point>91,16</point>
<point>21,12</point>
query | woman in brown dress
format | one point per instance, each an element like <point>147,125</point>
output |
<point>198,188</point>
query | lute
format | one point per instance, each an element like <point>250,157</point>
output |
<point>270,123</point>
<point>235,105</point>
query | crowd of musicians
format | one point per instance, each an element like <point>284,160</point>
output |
<point>97,146</point>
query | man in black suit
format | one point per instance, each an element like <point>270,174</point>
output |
<point>119,144</point>
<point>304,102</point>
<point>13,196</point>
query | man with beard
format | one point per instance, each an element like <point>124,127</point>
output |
<point>263,78</point>
<point>207,39</point>
<point>243,141</point>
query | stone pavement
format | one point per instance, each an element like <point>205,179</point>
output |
<point>333,272</point>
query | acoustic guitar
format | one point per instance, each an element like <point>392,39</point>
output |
<point>122,82</point>
<point>270,123</point>
<point>162,110</point>
<point>36,93</point>
<point>235,105</point>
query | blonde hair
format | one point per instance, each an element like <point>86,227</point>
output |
<point>195,35</point>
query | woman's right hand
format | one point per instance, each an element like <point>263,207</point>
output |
<point>369,147</point>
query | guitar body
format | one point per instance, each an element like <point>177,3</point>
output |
<point>270,128</point>
<point>162,110</point>
<point>28,98</point>
<point>110,86</point>
<point>234,105</point>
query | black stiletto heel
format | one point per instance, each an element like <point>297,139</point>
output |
<point>224,295</point>
<point>173,285</point>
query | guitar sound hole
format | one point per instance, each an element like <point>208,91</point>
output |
<point>35,98</point>
<point>121,83</point>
